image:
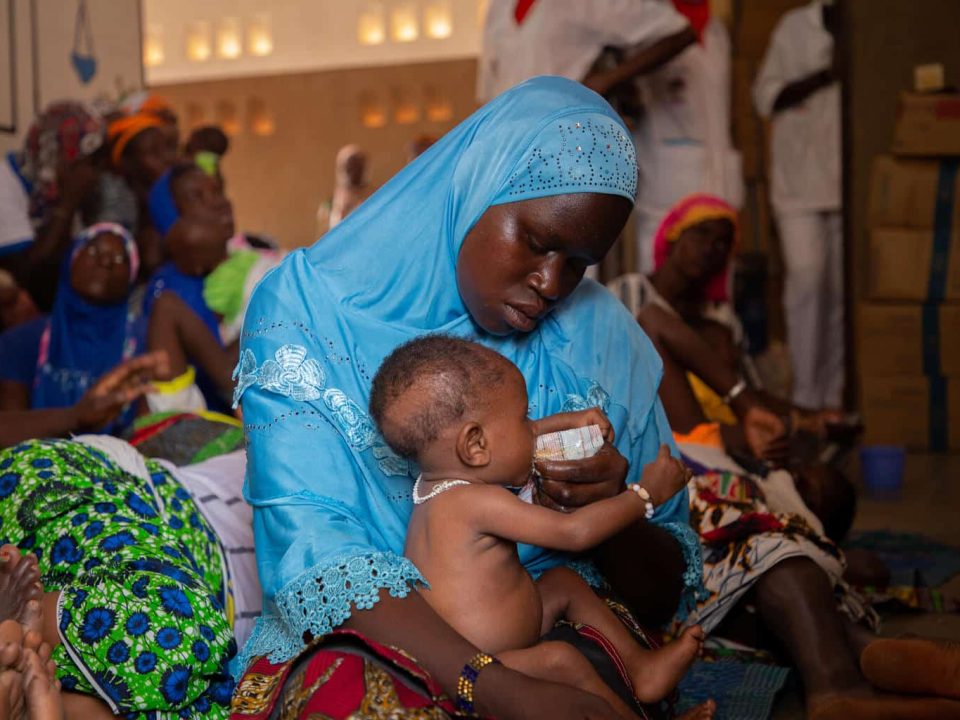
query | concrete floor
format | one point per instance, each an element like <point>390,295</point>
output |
<point>929,504</point>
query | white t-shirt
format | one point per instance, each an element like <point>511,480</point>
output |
<point>683,140</point>
<point>565,37</point>
<point>15,227</point>
<point>805,151</point>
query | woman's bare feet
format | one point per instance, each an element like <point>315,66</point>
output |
<point>11,685</point>
<point>19,583</point>
<point>657,672</point>
<point>41,689</point>
<point>915,666</point>
<point>703,711</point>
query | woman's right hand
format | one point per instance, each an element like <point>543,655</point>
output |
<point>125,383</point>
<point>509,695</point>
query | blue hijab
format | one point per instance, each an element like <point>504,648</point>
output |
<point>82,340</point>
<point>331,501</point>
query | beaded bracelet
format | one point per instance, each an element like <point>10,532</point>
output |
<point>467,680</point>
<point>645,496</point>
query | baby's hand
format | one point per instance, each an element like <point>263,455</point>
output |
<point>664,477</point>
<point>579,418</point>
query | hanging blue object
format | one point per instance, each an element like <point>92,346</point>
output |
<point>82,58</point>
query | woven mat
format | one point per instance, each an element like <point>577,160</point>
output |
<point>742,690</point>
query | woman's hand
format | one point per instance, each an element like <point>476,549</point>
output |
<point>764,432</point>
<point>574,483</point>
<point>125,383</point>
<point>577,419</point>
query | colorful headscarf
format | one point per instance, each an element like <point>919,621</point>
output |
<point>83,340</point>
<point>693,210</point>
<point>146,102</point>
<point>125,129</point>
<point>697,12</point>
<point>66,131</point>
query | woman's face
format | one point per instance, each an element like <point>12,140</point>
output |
<point>152,155</point>
<point>100,272</point>
<point>522,258</point>
<point>200,197</point>
<point>703,250</point>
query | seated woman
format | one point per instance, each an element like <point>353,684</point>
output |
<point>146,570</point>
<point>196,300</point>
<point>766,540</point>
<point>43,189</point>
<point>708,384</point>
<point>487,236</point>
<point>53,363</point>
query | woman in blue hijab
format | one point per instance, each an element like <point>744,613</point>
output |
<point>94,327</point>
<point>485,236</point>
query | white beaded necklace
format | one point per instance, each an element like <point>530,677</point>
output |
<point>440,487</point>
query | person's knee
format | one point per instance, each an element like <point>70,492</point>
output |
<point>784,583</point>
<point>561,658</point>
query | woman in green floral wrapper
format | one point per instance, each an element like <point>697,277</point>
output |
<point>138,601</point>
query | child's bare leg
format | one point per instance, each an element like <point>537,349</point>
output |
<point>654,673</point>
<point>562,663</point>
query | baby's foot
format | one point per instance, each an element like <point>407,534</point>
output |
<point>915,666</point>
<point>19,583</point>
<point>660,670</point>
<point>703,711</point>
<point>41,688</point>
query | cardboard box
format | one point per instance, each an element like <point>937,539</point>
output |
<point>896,339</point>
<point>903,193</point>
<point>911,411</point>
<point>900,266</point>
<point>927,125</point>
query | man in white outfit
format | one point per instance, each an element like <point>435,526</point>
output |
<point>797,87</point>
<point>526,38</point>
<point>683,136</point>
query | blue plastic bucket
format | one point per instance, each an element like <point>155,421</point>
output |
<point>882,467</point>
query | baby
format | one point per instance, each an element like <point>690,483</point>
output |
<point>460,410</point>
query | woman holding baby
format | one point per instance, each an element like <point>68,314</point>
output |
<point>486,238</point>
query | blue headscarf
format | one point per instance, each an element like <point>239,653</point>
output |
<point>331,501</point>
<point>160,203</point>
<point>82,340</point>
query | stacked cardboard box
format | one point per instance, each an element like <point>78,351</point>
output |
<point>908,329</point>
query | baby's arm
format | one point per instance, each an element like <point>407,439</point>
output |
<point>581,418</point>
<point>492,510</point>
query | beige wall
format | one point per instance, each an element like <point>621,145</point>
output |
<point>116,37</point>
<point>277,181</point>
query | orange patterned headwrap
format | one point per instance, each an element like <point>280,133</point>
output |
<point>122,131</point>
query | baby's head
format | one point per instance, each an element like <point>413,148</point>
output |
<point>457,408</point>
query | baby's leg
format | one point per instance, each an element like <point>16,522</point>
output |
<point>561,663</point>
<point>654,673</point>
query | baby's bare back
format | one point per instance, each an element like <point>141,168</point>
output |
<point>477,583</point>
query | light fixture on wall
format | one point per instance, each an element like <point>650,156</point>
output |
<point>406,110</point>
<point>229,45</point>
<point>403,22</point>
<point>371,24</point>
<point>260,118</point>
<point>153,52</point>
<point>259,35</point>
<point>226,116</point>
<point>438,19</point>
<point>373,114</point>
<point>438,106</point>
<point>198,41</point>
